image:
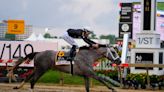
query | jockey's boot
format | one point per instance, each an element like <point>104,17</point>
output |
<point>72,53</point>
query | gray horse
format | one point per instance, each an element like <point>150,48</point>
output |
<point>84,59</point>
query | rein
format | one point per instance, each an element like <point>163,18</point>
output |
<point>105,54</point>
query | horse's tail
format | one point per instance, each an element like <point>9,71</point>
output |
<point>20,60</point>
<point>28,58</point>
<point>31,55</point>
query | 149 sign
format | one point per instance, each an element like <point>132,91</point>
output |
<point>13,51</point>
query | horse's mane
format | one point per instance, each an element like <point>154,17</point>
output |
<point>84,48</point>
<point>102,45</point>
<point>88,47</point>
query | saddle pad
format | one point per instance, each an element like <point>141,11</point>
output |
<point>61,59</point>
<point>64,62</point>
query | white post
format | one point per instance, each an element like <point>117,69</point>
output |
<point>123,73</point>
<point>124,48</point>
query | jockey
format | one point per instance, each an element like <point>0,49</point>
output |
<point>77,33</point>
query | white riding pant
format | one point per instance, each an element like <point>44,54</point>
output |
<point>69,39</point>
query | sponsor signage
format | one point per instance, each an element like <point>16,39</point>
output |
<point>125,25</point>
<point>143,58</point>
<point>125,28</point>
<point>11,50</point>
<point>15,49</point>
<point>126,12</point>
<point>15,27</point>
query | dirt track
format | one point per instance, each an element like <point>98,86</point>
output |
<point>5,87</point>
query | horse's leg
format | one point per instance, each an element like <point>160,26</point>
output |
<point>10,74</point>
<point>38,73</point>
<point>92,74</point>
<point>87,69</point>
<point>87,84</point>
<point>25,80</point>
<point>100,79</point>
<point>104,82</point>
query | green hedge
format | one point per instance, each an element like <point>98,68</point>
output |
<point>142,78</point>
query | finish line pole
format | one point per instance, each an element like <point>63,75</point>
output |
<point>124,48</point>
<point>124,57</point>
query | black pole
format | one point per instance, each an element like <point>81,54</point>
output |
<point>71,67</point>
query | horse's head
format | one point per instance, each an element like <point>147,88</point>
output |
<point>109,52</point>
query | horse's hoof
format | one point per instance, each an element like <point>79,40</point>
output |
<point>15,88</point>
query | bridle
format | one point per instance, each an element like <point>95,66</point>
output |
<point>109,51</point>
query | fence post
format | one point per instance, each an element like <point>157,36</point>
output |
<point>148,78</point>
<point>61,79</point>
<point>120,76</point>
<point>91,82</point>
